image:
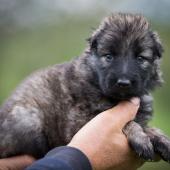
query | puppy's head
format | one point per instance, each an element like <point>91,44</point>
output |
<point>125,55</point>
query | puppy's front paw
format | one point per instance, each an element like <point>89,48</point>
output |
<point>139,140</point>
<point>143,146</point>
<point>160,142</point>
<point>162,146</point>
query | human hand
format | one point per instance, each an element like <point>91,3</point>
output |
<point>16,163</point>
<point>103,141</point>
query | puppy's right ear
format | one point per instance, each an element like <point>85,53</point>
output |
<point>97,34</point>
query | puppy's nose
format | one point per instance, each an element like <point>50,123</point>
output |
<point>123,83</point>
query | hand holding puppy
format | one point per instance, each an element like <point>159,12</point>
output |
<point>103,141</point>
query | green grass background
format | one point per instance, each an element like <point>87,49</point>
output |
<point>24,50</point>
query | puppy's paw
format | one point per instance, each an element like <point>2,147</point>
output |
<point>139,140</point>
<point>143,147</point>
<point>162,146</point>
<point>160,142</point>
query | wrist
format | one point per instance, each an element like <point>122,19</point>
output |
<point>72,156</point>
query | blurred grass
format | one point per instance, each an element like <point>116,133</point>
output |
<point>29,49</point>
<point>25,50</point>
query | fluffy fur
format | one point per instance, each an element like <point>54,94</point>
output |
<point>121,60</point>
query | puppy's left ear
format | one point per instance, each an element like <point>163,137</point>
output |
<point>156,79</point>
<point>92,42</point>
<point>158,48</point>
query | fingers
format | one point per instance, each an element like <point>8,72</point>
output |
<point>16,163</point>
<point>125,111</point>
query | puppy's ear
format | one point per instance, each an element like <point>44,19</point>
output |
<point>93,42</point>
<point>158,48</point>
<point>96,36</point>
<point>98,33</point>
<point>156,78</point>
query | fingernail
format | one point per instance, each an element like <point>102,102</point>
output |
<point>135,101</point>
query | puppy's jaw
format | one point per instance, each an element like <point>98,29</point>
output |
<point>120,94</point>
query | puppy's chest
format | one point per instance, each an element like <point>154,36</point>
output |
<point>82,112</point>
<point>94,106</point>
<point>85,109</point>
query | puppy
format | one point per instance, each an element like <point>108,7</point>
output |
<point>121,61</point>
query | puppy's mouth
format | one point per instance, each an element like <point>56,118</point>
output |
<point>122,94</point>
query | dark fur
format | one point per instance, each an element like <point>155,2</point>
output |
<point>49,107</point>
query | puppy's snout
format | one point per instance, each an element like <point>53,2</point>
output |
<point>123,83</point>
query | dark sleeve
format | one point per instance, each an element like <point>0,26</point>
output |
<point>62,158</point>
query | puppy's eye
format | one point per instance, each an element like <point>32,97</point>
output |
<point>108,57</point>
<point>141,58</point>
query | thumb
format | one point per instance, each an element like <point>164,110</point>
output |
<point>125,111</point>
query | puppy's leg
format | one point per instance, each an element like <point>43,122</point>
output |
<point>160,142</point>
<point>21,133</point>
<point>139,140</point>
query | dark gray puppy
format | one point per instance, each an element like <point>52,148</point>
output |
<point>49,107</point>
